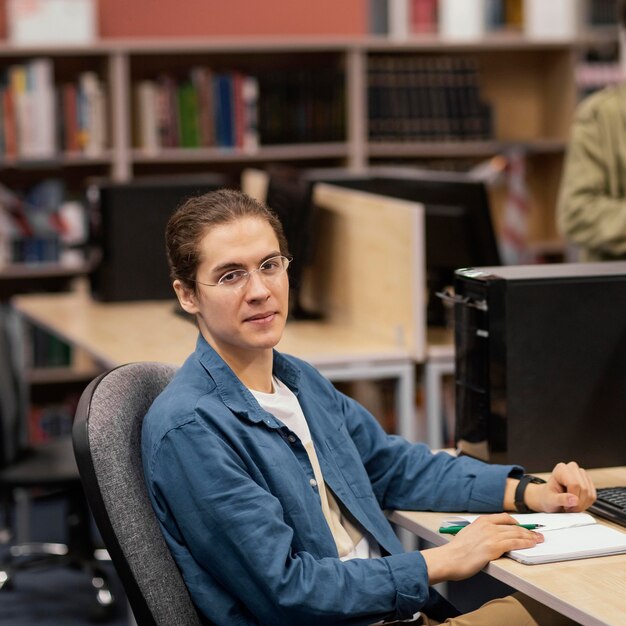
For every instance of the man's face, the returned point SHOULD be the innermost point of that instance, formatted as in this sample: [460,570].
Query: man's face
[239,322]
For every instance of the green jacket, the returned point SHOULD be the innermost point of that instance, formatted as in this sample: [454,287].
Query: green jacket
[592,200]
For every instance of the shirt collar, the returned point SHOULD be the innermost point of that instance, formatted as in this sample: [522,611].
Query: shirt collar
[233,392]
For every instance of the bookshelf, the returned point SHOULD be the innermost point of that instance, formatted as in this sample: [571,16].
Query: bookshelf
[529,84]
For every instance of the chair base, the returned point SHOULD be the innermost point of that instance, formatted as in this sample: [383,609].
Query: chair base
[79,553]
[34,556]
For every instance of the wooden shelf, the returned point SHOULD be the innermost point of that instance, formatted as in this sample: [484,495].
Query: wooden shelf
[255,45]
[264,153]
[59,375]
[491,42]
[64,159]
[461,149]
[17,278]
[25,271]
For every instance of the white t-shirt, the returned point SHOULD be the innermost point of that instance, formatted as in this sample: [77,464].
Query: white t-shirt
[351,539]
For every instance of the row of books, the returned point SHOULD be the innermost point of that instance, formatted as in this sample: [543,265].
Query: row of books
[453,17]
[406,18]
[307,105]
[203,109]
[603,12]
[30,223]
[475,18]
[39,118]
[413,98]
[46,350]
[50,421]
[45,249]
[234,109]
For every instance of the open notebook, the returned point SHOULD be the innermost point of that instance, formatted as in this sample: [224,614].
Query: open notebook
[567,536]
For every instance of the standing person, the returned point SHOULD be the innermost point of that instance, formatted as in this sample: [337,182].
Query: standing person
[591,209]
[270,485]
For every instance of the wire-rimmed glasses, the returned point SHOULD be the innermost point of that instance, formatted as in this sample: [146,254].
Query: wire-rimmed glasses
[236,279]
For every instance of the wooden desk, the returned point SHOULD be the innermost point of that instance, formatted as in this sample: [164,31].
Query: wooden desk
[115,333]
[589,591]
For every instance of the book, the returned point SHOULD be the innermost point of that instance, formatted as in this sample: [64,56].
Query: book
[148,137]
[398,18]
[568,536]
[51,22]
[167,111]
[188,115]
[494,15]
[41,107]
[69,99]
[9,123]
[91,114]
[513,14]
[424,16]
[462,19]
[224,110]
[250,100]
[202,79]
[557,19]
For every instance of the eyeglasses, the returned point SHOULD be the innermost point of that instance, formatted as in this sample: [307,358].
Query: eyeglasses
[236,279]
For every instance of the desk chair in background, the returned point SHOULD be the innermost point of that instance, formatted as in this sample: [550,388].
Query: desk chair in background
[107,444]
[46,471]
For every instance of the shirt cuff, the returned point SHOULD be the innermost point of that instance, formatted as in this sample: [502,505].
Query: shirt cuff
[410,576]
[488,490]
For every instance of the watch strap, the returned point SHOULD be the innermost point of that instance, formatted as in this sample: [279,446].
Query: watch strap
[525,480]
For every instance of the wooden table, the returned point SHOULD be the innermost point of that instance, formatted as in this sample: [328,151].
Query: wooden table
[589,591]
[115,333]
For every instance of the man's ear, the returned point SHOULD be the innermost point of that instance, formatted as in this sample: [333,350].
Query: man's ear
[187,297]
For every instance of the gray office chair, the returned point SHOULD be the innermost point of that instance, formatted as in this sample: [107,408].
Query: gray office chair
[107,438]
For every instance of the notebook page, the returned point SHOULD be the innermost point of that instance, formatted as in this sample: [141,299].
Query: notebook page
[576,542]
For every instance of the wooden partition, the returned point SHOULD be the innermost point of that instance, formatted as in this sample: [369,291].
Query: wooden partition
[368,271]
[369,265]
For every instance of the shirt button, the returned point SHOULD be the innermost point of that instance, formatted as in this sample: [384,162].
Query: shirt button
[313,482]
[292,439]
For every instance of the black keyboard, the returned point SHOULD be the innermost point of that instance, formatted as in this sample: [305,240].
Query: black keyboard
[611,504]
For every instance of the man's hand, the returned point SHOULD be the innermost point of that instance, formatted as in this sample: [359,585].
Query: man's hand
[485,539]
[569,489]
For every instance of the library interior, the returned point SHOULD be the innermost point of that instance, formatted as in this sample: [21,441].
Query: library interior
[450,178]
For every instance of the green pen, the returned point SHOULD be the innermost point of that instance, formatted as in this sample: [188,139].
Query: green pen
[453,530]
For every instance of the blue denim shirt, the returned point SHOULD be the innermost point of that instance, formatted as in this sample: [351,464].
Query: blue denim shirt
[234,493]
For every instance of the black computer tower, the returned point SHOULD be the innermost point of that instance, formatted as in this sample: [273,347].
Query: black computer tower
[128,230]
[541,364]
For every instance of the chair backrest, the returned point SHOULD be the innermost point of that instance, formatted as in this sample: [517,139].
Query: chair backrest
[12,388]
[107,444]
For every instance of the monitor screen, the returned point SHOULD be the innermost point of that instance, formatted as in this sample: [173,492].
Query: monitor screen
[458,226]
[289,196]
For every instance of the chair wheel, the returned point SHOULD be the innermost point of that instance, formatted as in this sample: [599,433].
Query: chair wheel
[102,613]
[6,583]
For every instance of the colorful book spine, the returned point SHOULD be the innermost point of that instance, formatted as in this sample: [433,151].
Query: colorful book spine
[188,110]
[424,17]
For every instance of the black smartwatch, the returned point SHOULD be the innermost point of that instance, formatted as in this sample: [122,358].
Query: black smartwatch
[520,505]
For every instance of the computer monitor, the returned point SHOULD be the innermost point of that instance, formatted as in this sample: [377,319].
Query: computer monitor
[128,229]
[289,195]
[458,226]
